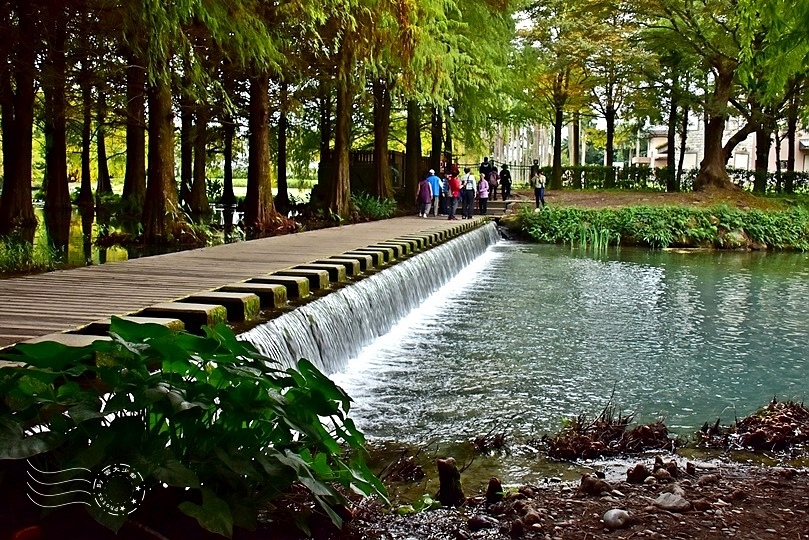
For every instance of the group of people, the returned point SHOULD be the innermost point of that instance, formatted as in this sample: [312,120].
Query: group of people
[442,195]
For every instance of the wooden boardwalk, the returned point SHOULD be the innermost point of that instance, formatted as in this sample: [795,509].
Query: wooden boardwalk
[33,306]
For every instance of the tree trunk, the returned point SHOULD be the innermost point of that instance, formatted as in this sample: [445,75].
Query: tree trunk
[792,129]
[609,117]
[576,139]
[712,169]
[186,150]
[17,105]
[259,210]
[683,147]
[104,185]
[412,172]
[448,143]
[57,191]
[282,198]
[326,158]
[228,197]
[198,200]
[86,192]
[764,132]
[435,139]
[135,176]
[161,217]
[338,196]
[558,121]
[671,135]
[382,186]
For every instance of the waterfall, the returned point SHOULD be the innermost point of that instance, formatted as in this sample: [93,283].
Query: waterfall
[333,329]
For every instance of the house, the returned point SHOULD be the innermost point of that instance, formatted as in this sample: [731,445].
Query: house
[743,155]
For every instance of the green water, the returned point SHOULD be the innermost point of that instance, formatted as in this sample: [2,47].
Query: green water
[531,334]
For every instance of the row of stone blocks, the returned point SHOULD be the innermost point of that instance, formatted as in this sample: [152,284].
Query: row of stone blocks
[242,301]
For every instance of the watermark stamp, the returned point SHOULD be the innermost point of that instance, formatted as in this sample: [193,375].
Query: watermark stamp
[116,489]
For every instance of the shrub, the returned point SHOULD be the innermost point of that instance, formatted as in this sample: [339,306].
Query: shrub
[370,207]
[207,414]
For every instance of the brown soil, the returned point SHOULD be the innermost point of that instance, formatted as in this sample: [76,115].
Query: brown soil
[725,502]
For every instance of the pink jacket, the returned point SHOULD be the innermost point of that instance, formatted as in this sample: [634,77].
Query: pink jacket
[483,189]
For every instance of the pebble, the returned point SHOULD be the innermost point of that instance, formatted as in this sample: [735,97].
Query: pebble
[672,502]
[616,518]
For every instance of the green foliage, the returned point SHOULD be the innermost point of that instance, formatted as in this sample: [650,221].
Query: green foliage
[20,257]
[207,414]
[370,207]
[213,188]
[668,226]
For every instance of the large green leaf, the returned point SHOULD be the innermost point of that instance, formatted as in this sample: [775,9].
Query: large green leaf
[15,445]
[214,514]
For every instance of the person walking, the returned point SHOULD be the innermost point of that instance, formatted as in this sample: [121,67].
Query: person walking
[493,180]
[467,193]
[453,192]
[537,182]
[424,198]
[485,167]
[505,182]
[435,186]
[483,196]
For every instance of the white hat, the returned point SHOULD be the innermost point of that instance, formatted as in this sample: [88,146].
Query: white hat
[432,171]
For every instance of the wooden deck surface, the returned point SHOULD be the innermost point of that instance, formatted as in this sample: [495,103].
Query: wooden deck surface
[33,306]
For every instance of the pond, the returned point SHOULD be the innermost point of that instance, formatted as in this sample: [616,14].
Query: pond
[81,252]
[528,335]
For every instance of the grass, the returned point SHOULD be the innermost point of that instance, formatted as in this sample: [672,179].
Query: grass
[17,257]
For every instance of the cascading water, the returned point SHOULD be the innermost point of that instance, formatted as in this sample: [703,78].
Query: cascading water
[335,328]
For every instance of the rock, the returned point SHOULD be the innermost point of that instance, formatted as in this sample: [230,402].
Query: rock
[637,474]
[690,469]
[478,522]
[517,528]
[650,481]
[738,495]
[615,518]
[672,502]
[674,488]
[494,492]
[673,469]
[532,517]
[708,479]
[702,505]
[590,485]
[662,475]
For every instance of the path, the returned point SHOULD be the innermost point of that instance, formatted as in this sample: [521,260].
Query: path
[33,306]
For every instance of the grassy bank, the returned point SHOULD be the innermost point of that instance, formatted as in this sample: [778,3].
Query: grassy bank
[721,227]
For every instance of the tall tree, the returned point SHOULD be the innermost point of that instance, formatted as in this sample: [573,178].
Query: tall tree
[17,68]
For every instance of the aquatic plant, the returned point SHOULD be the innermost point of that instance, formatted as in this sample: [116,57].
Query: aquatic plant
[20,257]
[667,226]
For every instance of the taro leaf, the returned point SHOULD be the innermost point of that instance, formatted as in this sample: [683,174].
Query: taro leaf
[110,521]
[236,463]
[214,514]
[323,384]
[138,332]
[15,445]
[85,411]
[51,355]
[176,474]
[300,466]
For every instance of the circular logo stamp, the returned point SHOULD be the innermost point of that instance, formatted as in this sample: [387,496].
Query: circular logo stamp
[118,489]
